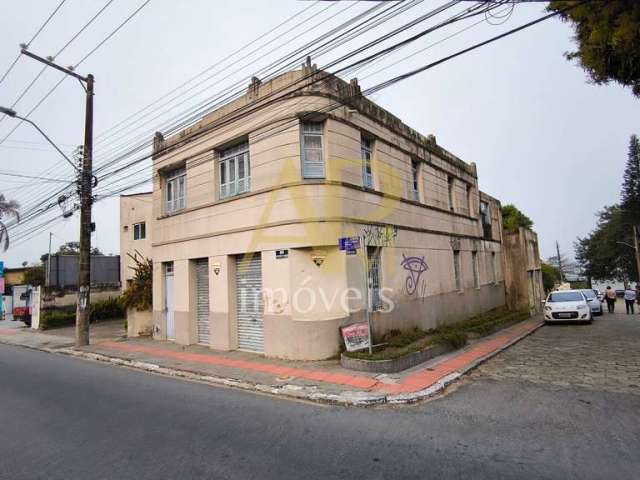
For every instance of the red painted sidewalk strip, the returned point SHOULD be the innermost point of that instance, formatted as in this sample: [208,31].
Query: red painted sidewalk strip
[412,383]
[10,331]
[426,378]
[213,359]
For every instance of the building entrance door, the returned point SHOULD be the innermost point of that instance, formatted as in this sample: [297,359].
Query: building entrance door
[169,299]
[249,302]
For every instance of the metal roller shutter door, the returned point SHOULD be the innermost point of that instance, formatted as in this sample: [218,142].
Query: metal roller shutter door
[249,302]
[202,303]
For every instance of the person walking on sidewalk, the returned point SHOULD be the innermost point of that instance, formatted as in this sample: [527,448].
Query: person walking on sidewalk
[610,297]
[629,299]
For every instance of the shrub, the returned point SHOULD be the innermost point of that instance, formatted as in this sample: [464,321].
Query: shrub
[455,339]
[397,343]
[104,309]
[139,293]
[396,338]
[57,318]
[65,316]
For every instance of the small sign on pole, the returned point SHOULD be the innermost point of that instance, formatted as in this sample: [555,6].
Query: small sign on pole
[356,336]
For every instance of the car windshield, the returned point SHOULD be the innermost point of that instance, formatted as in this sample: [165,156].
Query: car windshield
[565,297]
[589,294]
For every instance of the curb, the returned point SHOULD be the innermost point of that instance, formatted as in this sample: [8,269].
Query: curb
[347,398]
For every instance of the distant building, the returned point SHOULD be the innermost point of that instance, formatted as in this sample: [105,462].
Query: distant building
[136,215]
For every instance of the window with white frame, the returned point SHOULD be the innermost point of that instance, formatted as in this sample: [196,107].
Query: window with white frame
[415,181]
[176,190]
[139,231]
[312,150]
[366,150]
[234,175]
[474,266]
[456,269]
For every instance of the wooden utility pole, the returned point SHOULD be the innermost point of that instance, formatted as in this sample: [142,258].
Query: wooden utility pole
[636,245]
[86,201]
[559,262]
[85,187]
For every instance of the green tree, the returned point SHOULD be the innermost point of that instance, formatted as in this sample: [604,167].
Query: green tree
[70,248]
[34,275]
[630,197]
[605,254]
[550,276]
[607,34]
[513,218]
[8,208]
[139,293]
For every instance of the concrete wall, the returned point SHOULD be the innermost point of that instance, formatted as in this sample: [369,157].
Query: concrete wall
[523,275]
[71,298]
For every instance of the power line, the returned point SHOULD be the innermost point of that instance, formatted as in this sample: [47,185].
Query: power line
[20,175]
[266,100]
[146,180]
[35,35]
[91,52]
[285,62]
[209,68]
[146,135]
[40,211]
[407,75]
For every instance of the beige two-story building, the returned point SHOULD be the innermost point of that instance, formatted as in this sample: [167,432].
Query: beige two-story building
[250,205]
[136,218]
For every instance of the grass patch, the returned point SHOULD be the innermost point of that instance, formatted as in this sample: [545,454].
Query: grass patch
[397,343]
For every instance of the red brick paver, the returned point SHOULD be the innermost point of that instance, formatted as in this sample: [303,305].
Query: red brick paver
[427,377]
[214,359]
[412,382]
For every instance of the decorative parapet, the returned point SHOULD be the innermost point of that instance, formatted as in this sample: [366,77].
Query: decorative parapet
[307,81]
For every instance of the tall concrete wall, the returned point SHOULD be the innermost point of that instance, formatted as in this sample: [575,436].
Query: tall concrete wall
[523,275]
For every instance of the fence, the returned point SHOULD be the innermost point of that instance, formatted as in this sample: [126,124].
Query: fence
[105,270]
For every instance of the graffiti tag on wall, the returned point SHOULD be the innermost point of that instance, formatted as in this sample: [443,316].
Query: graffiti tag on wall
[415,267]
[380,236]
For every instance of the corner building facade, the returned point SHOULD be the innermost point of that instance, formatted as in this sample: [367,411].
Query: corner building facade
[249,205]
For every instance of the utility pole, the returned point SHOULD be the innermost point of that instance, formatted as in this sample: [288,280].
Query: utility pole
[560,262]
[48,280]
[86,200]
[636,246]
[85,186]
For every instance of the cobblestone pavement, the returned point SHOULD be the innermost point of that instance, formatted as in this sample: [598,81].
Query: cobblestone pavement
[604,356]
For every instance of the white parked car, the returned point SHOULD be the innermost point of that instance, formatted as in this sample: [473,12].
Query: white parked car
[594,302]
[567,306]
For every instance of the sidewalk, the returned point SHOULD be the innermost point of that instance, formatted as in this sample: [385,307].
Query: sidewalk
[323,381]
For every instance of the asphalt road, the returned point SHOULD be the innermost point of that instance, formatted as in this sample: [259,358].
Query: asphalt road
[65,418]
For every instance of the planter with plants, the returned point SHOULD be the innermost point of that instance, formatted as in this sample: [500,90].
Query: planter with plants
[399,350]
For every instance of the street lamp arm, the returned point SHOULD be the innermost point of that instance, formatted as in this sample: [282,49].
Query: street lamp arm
[48,140]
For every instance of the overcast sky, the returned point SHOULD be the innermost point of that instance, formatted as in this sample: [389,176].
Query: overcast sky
[541,136]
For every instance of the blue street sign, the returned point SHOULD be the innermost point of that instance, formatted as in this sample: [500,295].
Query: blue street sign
[349,244]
